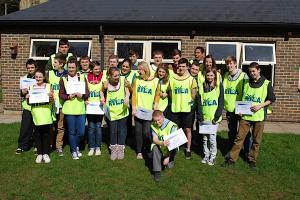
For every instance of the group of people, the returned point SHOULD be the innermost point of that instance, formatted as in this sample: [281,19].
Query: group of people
[151,101]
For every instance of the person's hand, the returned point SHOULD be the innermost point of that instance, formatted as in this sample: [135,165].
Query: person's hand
[166,143]
[102,100]
[255,108]
[105,85]
[214,122]
[24,91]
[133,112]
[127,84]
[163,95]
[78,95]
[166,160]
[126,101]
[71,96]
[86,102]
[27,96]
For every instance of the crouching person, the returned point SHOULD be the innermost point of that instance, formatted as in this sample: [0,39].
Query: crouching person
[160,127]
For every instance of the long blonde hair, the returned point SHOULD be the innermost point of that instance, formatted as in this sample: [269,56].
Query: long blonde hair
[145,66]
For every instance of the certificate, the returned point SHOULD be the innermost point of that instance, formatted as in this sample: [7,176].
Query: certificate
[25,83]
[106,112]
[75,86]
[176,139]
[243,107]
[144,114]
[94,108]
[56,106]
[208,128]
[38,95]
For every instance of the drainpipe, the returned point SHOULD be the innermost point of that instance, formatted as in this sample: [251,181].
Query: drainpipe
[101,40]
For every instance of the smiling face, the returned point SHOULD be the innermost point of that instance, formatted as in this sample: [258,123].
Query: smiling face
[85,64]
[208,63]
[96,70]
[176,58]
[113,62]
[158,120]
[198,54]
[125,68]
[39,77]
[194,70]
[231,67]
[31,69]
[254,73]
[72,69]
[133,58]
[158,59]
[141,71]
[161,73]
[210,77]
[115,77]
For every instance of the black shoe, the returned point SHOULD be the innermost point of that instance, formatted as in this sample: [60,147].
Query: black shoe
[157,176]
[252,165]
[227,163]
[188,155]
[19,151]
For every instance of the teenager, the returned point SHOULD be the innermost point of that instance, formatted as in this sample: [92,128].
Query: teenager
[113,61]
[199,54]
[74,107]
[210,107]
[158,57]
[183,89]
[85,65]
[145,98]
[117,103]
[259,91]
[133,56]
[129,74]
[26,130]
[162,73]
[176,56]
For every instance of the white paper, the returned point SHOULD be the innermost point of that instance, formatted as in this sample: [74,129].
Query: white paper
[56,106]
[208,128]
[94,108]
[75,86]
[176,139]
[38,95]
[106,112]
[25,83]
[144,114]
[243,107]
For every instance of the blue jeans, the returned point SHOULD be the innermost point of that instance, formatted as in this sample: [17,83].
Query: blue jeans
[76,128]
[118,131]
[94,130]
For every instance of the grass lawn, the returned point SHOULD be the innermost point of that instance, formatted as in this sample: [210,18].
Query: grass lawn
[277,175]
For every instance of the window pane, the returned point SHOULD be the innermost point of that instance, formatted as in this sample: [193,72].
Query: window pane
[221,51]
[79,48]
[259,53]
[41,64]
[123,49]
[166,48]
[43,48]
[266,71]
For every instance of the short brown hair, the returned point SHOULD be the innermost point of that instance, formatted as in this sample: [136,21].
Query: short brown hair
[113,57]
[229,59]
[157,113]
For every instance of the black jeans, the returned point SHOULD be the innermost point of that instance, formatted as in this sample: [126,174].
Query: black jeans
[42,139]
[26,131]
[142,135]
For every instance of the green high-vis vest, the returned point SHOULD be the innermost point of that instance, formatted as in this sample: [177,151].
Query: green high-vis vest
[54,81]
[145,93]
[163,103]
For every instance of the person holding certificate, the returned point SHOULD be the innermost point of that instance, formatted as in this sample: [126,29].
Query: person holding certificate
[93,103]
[161,127]
[54,77]
[26,130]
[259,92]
[117,103]
[210,106]
[233,84]
[42,115]
[74,91]
[145,97]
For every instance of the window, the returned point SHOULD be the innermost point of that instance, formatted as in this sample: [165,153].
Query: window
[145,48]
[42,49]
[220,50]
[263,54]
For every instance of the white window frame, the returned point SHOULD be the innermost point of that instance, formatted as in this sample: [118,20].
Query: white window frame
[57,44]
[272,63]
[141,58]
[41,40]
[147,54]
[238,51]
[259,62]
[149,59]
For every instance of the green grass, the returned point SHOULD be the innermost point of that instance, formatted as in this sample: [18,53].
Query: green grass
[277,176]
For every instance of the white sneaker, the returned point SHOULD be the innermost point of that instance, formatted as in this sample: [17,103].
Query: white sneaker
[211,162]
[75,156]
[91,152]
[46,158]
[139,156]
[79,154]
[39,159]
[98,152]
[204,160]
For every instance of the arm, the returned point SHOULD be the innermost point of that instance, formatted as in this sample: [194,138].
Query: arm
[157,97]
[102,96]
[194,89]
[269,100]
[62,91]
[199,108]
[127,95]
[219,110]
[160,143]
[133,99]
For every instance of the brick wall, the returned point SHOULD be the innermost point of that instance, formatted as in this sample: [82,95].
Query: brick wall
[286,108]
